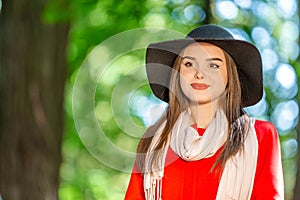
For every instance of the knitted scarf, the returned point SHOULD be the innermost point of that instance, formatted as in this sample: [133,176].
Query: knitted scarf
[238,174]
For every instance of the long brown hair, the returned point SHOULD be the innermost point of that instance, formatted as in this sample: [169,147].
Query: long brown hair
[177,103]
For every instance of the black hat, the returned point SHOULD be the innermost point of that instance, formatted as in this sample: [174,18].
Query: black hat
[246,56]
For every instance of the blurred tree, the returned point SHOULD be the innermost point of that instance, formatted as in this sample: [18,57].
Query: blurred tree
[296,195]
[207,10]
[92,22]
[33,72]
[297,185]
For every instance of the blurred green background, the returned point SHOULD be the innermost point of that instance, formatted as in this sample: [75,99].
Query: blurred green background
[106,90]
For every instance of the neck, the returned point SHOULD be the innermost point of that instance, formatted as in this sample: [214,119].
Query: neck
[202,114]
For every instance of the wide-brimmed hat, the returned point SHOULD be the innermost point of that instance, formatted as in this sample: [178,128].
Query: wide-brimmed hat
[160,58]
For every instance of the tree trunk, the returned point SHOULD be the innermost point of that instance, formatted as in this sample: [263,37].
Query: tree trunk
[207,9]
[32,78]
[297,186]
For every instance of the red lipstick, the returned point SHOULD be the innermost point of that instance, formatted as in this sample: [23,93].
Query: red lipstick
[199,86]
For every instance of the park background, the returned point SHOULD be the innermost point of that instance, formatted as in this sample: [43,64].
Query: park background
[67,68]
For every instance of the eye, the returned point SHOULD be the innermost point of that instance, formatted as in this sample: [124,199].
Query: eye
[214,66]
[188,64]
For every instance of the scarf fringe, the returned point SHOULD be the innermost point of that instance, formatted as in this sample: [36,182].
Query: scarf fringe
[154,192]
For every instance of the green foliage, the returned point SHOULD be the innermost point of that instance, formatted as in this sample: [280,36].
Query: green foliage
[56,11]
[82,175]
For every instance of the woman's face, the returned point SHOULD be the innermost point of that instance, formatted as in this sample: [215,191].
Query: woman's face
[203,71]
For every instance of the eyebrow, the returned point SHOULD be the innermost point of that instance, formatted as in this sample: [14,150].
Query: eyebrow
[189,57]
[214,59]
[208,59]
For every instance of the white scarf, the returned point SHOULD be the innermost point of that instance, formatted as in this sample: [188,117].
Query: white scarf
[239,171]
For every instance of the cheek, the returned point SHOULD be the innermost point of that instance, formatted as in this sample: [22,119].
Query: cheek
[221,78]
[224,78]
[183,82]
[183,72]
[184,77]
[185,86]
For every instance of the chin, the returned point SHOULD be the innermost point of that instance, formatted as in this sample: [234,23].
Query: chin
[200,101]
[204,101]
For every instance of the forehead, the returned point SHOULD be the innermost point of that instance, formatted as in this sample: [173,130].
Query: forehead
[203,49]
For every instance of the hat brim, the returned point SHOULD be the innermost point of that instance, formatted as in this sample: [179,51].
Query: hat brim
[245,55]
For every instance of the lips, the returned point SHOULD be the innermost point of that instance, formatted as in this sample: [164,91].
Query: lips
[199,86]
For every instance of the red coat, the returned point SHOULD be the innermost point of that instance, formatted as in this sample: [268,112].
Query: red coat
[185,180]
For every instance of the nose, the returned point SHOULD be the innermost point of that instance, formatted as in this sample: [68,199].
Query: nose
[198,74]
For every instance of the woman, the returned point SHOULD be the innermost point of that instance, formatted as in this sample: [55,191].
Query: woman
[205,146]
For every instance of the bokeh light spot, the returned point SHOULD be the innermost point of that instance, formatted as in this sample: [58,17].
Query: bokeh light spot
[289,31]
[194,14]
[103,111]
[290,148]
[150,109]
[191,14]
[259,109]
[285,115]
[286,76]
[175,1]
[260,36]
[239,34]
[289,49]
[155,20]
[291,110]
[98,17]
[243,3]
[270,59]
[287,8]
[227,9]
[266,12]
